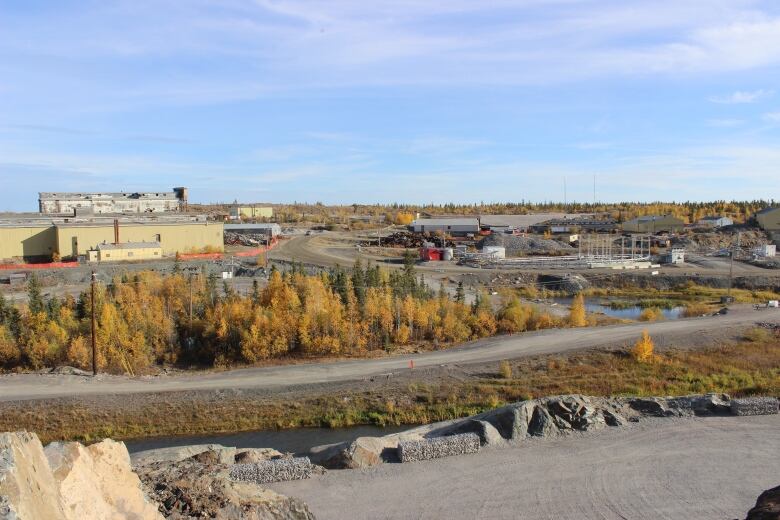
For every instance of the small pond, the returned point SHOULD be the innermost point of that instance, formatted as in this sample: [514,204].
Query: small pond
[626,310]
[297,440]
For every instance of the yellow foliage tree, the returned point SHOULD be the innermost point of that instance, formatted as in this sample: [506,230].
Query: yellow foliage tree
[577,314]
[643,348]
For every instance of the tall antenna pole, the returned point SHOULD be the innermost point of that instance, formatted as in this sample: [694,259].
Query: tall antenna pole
[594,189]
[565,200]
[94,327]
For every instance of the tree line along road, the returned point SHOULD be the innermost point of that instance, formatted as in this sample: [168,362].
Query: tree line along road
[551,341]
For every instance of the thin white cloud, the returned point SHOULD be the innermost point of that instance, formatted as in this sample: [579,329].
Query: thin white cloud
[725,123]
[740,97]
[772,117]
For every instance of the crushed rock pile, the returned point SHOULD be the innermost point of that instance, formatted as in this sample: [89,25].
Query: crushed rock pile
[245,239]
[196,482]
[545,417]
[527,246]
[718,240]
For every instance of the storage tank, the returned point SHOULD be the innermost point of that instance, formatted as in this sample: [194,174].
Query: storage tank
[495,251]
[448,254]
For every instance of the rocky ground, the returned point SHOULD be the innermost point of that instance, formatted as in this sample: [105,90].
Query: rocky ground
[68,481]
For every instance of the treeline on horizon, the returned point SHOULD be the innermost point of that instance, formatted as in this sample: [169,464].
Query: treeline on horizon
[689,211]
[145,319]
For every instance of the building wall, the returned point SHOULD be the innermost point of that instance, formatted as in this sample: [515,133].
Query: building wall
[129,253]
[252,212]
[110,203]
[770,220]
[33,242]
[660,224]
[173,238]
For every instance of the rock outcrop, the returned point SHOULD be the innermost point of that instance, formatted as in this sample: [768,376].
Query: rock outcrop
[69,481]
[767,506]
[200,486]
[545,417]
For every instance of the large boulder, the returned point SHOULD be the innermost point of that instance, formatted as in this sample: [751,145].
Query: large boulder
[650,406]
[511,421]
[27,485]
[488,434]
[97,481]
[767,506]
[363,452]
[226,455]
[69,481]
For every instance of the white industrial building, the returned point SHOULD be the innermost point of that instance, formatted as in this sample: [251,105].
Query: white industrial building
[460,226]
[715,222]
[51,203]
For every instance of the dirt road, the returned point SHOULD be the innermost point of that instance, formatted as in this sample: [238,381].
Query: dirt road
[34,386]
[663,469]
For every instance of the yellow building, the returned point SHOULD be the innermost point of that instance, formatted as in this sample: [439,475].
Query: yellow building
[30,240]
[126,251]
[238,212]
[74,239]
[37,238]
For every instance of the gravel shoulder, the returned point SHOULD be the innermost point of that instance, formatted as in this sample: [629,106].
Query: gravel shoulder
[689,468]
[551,341]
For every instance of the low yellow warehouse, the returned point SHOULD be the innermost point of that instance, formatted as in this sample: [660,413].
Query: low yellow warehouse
[40,238]
[125,252]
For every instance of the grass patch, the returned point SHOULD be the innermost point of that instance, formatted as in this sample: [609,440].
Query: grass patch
[748,367]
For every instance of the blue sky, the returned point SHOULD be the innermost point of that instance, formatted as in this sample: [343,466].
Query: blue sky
[346,101]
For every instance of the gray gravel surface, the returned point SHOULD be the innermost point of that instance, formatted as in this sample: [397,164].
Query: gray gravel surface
[665,468]
[551,341]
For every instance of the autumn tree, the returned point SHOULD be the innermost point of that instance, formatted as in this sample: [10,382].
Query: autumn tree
[577,316]
[643,348]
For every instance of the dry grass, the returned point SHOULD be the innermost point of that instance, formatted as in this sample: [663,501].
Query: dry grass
[749,367]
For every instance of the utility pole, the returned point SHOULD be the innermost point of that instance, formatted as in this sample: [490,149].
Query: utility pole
[94,328]
[731,266]
[190,304]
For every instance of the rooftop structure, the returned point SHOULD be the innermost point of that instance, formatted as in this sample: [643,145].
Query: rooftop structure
[56,203]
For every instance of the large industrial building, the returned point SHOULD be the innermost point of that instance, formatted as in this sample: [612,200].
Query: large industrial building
[35,237]
[654,224]
[769,219]
[450,226]
[121,202]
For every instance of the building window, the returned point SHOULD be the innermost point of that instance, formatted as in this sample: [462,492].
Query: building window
[157,237]
[129,253]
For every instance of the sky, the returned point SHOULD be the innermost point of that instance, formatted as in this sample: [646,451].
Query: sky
[342,101]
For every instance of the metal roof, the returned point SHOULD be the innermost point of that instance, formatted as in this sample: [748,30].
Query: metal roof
[153,195]
[270,225]
[130,245]
[446,222]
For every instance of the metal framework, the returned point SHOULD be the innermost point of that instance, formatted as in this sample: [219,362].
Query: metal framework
[593,251]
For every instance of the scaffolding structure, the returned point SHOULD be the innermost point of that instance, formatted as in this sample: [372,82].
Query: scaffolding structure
[593,251]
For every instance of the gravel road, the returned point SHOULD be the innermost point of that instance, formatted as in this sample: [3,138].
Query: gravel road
[551,341]
[704,468]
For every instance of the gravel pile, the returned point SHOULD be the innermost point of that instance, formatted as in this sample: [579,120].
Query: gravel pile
[520,246]
[754,406]
[277,470]
[411,451]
